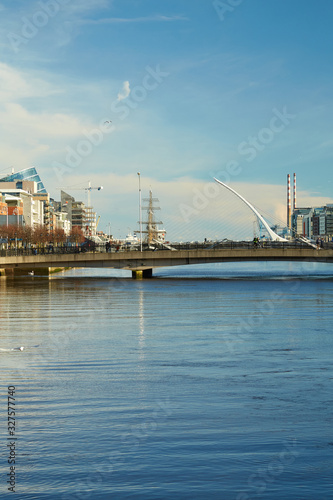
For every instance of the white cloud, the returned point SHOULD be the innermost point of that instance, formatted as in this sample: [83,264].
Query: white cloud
[77,6]
[16,85]
[125,92]
[30,121]
[19,120]
[189,209]
[126,20]
[35,27]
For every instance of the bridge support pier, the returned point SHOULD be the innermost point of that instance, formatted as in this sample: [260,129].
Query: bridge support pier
[142,274]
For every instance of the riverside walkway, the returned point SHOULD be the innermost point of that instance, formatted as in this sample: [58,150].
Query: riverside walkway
[142,263]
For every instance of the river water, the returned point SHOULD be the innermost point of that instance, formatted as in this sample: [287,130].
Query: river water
[207,382]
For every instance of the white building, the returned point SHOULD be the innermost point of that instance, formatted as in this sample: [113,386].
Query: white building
[62,222]
[33,208]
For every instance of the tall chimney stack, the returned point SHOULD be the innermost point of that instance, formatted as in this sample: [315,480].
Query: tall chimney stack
[288,203]
[294,198]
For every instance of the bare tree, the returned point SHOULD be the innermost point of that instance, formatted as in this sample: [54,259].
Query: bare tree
[76,235]
[27,235]
[59,236]
[40,236]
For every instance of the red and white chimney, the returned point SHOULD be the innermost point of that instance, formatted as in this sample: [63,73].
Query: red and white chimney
[288,202]
[294,197]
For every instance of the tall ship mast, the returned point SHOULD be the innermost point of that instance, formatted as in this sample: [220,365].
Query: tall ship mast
[152,233]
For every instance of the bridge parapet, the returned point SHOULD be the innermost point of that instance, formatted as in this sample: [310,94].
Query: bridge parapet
[149,259]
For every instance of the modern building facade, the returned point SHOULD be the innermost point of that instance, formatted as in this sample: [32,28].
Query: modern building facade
[25,201]
[23,207]
[313,222]
[27,174]
[35,203]
[75,210]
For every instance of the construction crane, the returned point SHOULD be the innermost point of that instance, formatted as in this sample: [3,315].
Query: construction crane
[88,189]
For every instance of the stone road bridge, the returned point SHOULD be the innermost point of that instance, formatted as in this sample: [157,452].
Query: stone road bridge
[142,263]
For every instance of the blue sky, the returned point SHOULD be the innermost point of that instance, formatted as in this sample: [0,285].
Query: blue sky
[237,89]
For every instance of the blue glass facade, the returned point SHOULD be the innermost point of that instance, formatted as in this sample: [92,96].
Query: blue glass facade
[28,174]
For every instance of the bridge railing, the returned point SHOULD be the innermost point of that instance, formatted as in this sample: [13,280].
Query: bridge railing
[211,246]
[233,245]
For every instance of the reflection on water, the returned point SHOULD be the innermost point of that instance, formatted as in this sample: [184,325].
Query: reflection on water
[141,322]
[176,387]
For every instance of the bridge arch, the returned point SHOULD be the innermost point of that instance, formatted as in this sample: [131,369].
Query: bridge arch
[272,234]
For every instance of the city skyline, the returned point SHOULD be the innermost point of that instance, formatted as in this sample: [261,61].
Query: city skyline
[182,92]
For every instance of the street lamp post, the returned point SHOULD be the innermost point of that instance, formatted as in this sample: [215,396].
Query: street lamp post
[140,212]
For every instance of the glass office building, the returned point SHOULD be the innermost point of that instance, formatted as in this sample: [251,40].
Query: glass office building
[28,174]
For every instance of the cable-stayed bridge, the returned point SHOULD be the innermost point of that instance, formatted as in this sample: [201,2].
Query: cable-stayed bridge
[142,263]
